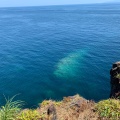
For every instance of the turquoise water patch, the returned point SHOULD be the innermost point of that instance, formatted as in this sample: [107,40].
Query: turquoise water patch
[69,66]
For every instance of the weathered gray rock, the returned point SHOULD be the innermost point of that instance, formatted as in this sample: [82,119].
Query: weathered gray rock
[115,80]
[51,112]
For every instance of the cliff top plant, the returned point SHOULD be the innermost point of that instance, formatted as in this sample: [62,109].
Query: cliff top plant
[29,114]
[11,109]
[109,109]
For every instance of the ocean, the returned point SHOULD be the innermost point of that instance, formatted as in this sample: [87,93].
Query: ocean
[49,52]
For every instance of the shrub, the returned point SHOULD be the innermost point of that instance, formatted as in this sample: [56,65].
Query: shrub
[109,109]
[29,115]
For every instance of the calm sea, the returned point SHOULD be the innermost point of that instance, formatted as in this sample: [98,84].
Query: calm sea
[55,51]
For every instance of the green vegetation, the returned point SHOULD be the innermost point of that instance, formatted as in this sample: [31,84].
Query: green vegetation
[11,109]
[29,115]
[106,109]
[118,76]
[45,102]
[58,103]
[109,109]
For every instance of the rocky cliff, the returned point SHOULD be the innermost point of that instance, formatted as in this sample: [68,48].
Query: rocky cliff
[115,80]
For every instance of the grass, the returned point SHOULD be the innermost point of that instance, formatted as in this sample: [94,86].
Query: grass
[29,115]
[109,109]
[45,102]
[11,109]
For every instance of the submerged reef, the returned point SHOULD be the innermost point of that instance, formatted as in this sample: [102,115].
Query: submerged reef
[69,66]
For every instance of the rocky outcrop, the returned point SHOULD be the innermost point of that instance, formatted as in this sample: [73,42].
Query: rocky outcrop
[115,80]
[70,108]
[51,112]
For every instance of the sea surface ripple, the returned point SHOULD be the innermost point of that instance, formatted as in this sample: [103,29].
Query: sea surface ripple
[55,51]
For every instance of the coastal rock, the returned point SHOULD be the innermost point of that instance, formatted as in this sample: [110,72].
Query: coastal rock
[115,80]
[51,112]
[70,108]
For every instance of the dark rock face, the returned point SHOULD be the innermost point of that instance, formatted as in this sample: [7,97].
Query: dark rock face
[115,80]
[51,112]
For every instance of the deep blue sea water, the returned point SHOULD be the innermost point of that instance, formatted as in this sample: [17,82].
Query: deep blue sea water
[55,51]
